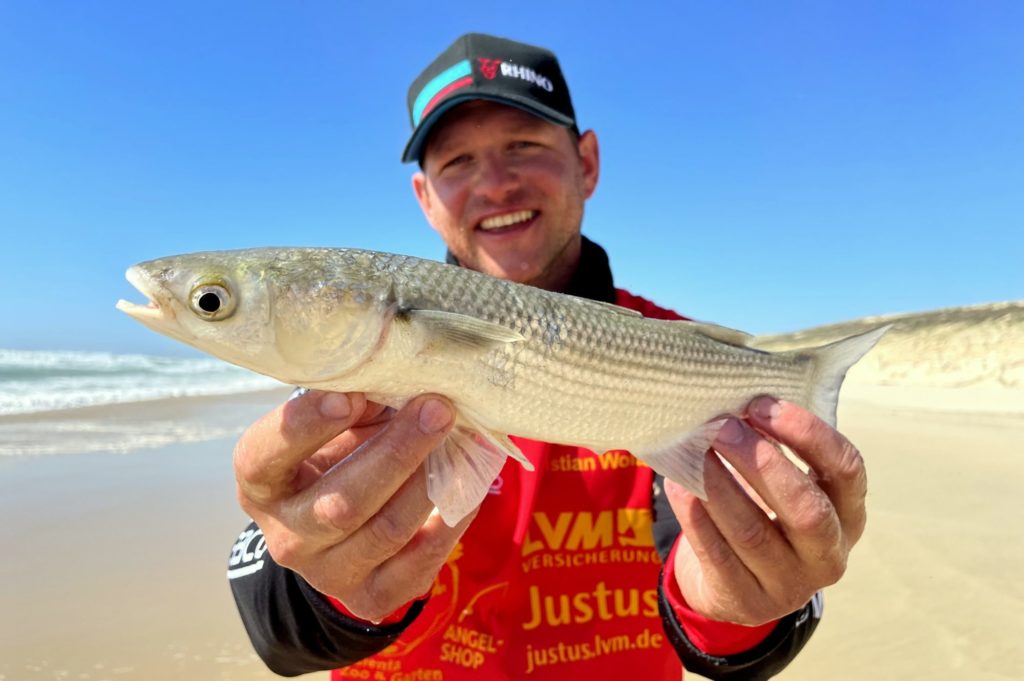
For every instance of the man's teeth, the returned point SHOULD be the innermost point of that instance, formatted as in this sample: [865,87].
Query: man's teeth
[507,219]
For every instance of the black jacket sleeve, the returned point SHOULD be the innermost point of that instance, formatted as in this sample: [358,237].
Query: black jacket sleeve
[294,628]
[764,660]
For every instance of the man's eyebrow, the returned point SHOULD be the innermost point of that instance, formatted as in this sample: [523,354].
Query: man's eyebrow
[440,143]
[444,140]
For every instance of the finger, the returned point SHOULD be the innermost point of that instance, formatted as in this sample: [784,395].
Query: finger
[412,571]
[837,464]
[268,455]
[785,490]
[356,489]
[751,534]
[387,532]
[717,560]
[748,489]
[373,419]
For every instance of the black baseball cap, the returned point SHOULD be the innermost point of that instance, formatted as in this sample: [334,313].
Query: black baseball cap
[480,66]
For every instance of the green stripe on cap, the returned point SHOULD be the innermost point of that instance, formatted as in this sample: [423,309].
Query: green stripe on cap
[436,84]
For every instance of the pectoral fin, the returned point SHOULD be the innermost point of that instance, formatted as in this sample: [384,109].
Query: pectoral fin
[463,329]
[683,460]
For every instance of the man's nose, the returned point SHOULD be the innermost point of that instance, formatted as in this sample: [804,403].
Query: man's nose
[495,179]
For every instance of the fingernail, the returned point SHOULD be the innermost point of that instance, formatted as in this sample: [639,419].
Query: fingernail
[731,433]
[434,416]
[767,408]
[335,405]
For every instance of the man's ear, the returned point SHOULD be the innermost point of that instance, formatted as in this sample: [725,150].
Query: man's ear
[590,159]
[422,192]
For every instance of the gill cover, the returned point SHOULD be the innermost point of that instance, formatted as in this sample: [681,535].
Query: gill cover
[330,329]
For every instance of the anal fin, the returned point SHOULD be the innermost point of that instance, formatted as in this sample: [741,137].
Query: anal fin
[683,460]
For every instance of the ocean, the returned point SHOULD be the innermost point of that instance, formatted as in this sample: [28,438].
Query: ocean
[62,402]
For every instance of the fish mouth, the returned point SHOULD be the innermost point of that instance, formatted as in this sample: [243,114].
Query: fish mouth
[150,314]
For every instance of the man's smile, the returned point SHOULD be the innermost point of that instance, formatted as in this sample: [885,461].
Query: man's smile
[506,222]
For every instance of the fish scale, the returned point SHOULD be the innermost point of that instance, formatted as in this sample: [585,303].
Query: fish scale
[508,356]
[638,357]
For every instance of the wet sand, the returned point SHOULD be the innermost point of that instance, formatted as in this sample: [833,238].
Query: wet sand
[114,564]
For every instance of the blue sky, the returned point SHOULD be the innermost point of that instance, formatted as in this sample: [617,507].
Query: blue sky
[768,166]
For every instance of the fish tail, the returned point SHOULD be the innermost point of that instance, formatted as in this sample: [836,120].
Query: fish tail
[830,364]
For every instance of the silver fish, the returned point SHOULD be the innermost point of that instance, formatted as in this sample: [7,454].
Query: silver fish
[513,359]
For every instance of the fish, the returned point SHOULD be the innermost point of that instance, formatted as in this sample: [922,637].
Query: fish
[512,359]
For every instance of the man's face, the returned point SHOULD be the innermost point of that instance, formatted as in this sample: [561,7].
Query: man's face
[505,190]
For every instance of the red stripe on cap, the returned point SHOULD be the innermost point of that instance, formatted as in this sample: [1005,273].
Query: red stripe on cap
[455,85]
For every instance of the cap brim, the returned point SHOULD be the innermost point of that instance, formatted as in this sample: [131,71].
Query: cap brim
[414,148]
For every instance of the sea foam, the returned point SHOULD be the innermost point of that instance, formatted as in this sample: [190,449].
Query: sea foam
[35,381]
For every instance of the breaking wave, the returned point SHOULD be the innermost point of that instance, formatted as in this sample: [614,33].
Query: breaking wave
[34,381]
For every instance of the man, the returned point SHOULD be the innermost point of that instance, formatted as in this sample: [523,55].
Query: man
[578,569]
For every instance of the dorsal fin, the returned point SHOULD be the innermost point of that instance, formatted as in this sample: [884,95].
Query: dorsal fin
[612,307]
[722,333]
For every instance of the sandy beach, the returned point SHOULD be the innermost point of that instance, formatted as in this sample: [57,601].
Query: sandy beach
[114,564]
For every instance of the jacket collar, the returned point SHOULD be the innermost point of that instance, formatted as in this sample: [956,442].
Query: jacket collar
[592,278]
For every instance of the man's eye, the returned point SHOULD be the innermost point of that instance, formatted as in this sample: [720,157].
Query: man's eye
[457,161]
[522,144]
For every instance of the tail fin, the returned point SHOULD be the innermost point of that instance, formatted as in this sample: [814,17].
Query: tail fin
[831,362]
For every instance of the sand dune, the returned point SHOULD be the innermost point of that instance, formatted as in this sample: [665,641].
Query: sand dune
[955,359]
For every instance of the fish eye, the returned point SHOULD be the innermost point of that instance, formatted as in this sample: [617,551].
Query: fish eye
[212,302]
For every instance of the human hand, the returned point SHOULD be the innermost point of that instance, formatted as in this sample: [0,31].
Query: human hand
[336,484]
[751,560]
